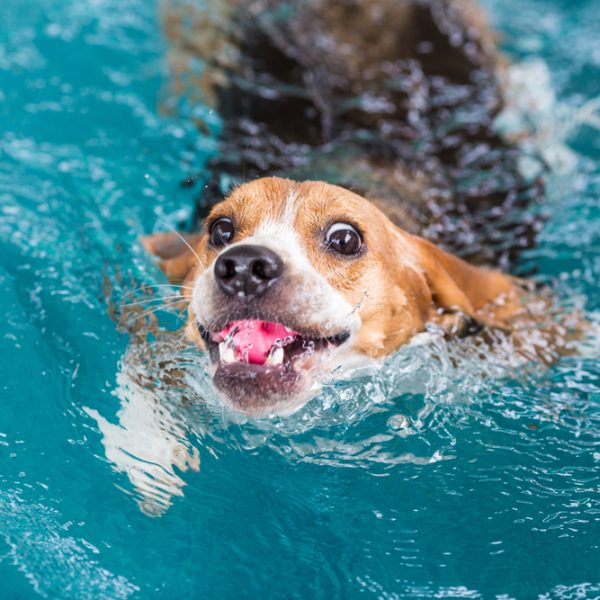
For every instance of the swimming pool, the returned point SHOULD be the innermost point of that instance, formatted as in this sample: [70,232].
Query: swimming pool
[402,485]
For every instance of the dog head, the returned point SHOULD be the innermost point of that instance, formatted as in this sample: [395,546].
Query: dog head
[292,281]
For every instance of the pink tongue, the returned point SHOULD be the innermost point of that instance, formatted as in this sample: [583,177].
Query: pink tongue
[253,340]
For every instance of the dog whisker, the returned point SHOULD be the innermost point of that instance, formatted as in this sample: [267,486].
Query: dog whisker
[154,310]
[155,299]
[149,287]
[173,230]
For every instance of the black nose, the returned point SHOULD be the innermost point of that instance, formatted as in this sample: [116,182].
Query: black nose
[247,270]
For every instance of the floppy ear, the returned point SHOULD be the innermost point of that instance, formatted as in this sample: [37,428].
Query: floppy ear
[484,296]
[176,251]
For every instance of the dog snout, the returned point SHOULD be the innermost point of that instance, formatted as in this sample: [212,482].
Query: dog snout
[247,270]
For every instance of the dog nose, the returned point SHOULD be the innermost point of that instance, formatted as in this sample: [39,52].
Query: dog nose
[247,270]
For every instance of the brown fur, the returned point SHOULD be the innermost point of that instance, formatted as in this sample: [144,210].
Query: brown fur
[394,100]
[400,282]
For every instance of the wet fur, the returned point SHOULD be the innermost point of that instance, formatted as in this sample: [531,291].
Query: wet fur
[399,284]
[395,102]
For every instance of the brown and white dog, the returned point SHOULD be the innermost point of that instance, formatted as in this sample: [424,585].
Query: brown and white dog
[293,281]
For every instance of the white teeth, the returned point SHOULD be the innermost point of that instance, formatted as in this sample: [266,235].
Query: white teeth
[226,353]
[275,356]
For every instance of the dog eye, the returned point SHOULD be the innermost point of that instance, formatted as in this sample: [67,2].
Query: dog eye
[343,239]
[221,232]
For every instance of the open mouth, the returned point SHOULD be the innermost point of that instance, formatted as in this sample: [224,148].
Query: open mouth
[258,361]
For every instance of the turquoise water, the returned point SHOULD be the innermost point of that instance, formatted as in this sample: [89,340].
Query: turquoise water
[426,480]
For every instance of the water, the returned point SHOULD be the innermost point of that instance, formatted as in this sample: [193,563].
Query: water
[426,479]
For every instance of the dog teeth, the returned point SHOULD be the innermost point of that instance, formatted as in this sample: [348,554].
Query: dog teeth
[226,352]
[275,357]
[227,355]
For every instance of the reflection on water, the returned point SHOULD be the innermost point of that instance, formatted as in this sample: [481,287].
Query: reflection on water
[147,444]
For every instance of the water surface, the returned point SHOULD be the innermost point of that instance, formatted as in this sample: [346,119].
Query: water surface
[427,480]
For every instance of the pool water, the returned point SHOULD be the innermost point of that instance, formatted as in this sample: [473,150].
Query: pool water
[439,476]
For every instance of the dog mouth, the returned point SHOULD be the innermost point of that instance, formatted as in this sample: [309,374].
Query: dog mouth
[262,363]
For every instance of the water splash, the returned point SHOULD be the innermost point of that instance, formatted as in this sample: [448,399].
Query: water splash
[406,409]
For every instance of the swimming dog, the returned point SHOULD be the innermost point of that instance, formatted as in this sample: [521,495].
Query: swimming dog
[292,281]
[377,118]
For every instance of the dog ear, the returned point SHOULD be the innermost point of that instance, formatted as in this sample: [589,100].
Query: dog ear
[176,251]
[466,296]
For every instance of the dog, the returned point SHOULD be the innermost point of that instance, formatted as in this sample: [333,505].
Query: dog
[377,190]
[292,281]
